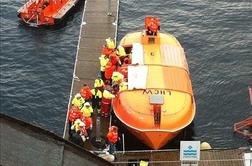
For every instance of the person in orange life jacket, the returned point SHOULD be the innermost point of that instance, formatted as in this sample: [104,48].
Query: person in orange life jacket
[74,113]
[96,100]
[86,93]
[107,96]
[113,138]
[110,68]
[109,47]
[99,83]
[153,26]
[88,125]
[114,59]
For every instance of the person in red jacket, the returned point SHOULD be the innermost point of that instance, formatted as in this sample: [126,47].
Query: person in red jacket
[74,113]
[88,125]
[110,68]
[107,96]
[114,59]
[113,138]
[86,93]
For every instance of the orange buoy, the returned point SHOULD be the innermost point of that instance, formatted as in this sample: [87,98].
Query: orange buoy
[44,12]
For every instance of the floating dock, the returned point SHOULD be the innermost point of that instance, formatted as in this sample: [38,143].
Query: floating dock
[100,21]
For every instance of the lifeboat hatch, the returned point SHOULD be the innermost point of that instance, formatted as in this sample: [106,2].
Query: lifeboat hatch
[156,101]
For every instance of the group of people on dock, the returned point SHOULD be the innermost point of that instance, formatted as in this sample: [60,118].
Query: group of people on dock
[111,80]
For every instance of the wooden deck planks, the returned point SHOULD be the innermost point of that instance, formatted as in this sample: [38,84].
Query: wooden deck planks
[222,157]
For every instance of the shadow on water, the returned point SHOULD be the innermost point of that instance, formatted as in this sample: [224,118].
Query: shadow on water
[61,23]
[133,143]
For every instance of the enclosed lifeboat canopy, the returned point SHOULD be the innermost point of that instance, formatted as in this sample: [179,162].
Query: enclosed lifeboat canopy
[45,12]
[159,100]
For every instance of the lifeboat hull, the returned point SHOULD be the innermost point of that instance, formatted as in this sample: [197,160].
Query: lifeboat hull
[154,139]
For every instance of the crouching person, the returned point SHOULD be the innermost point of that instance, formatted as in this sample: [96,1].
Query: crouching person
[113,138]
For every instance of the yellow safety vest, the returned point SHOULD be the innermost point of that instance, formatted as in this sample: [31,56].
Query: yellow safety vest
[78,102]
[98,83]
[108,95]
[123,86]
[103,62]
[110,43]
[77,125]
[116,77]
[97,94]
[87,111]
[143,163]
[120,51]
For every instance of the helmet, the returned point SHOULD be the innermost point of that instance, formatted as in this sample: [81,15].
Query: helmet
[110,43]
[120,51]
[78,95]
[87,104]
[113,128]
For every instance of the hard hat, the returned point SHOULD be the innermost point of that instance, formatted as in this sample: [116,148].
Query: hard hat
[86,104]
[78,95]
[108,39]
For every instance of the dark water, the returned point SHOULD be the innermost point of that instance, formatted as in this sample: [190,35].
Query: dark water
[37,64]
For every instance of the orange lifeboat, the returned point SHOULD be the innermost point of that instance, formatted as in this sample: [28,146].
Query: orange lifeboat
[159,101]
[45,12]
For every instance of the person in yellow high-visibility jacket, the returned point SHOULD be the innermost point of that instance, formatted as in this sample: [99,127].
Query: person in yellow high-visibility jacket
[123,86]
[78,101]
[96,100]
[87,110]
[77,125]
[110,43]
[103,62]
[99,83]
[117,77]
[120,51]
